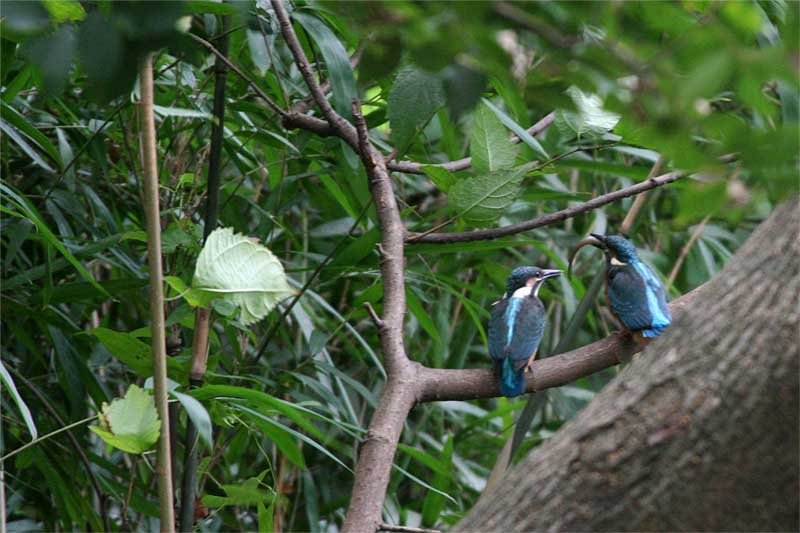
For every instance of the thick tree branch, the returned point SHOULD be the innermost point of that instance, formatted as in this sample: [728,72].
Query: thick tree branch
[472,384]
[512,229]
[374,467]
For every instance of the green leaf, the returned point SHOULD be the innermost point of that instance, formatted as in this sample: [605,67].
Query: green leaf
[489,145]
[247,494]
[130,423]
[24,146]
[18,121]
[197,414]
[482,199]
[194,297]
[258,51]
[590,120]
[283,440]
[30,212]
[180,112]
[210,6]
[340,72]
[134,353]
[126,348]
[242,272]
[434,502]
[413,100]
[424,319]
[8,383]
[521,132]
[52,54]
[65,10]
[443,178]
[265,517]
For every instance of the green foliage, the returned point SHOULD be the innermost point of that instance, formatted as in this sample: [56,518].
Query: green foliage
[481,200]
[413,100]
[692,81]
[130,423]
[243,273]
[489,146]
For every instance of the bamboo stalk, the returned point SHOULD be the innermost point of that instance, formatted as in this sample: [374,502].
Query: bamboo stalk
[202,322]
[152,213]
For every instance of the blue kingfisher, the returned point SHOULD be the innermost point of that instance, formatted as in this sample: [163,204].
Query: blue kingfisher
[517,326]
[634,292]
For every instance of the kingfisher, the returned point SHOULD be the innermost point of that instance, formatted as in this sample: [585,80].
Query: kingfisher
[516,327]
[633,290]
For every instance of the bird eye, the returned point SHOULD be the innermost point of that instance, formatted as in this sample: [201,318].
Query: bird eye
[538,273]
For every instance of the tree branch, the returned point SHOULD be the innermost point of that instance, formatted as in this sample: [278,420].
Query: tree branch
[473,384]
[374,467]
[239,72]
[512,229]
[339,124]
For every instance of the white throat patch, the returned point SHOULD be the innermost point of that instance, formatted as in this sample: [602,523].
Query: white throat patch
[523,292]
[617,262]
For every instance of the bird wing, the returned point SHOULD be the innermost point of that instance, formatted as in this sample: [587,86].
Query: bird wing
[627,294]
[529,325]
[498,330]
[656,297]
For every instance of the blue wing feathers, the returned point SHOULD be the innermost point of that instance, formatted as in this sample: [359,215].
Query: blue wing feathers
[637,298]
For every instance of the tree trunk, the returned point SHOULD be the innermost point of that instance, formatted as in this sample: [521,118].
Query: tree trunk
[699,432]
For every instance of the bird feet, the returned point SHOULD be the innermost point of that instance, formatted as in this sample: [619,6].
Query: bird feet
[529,364]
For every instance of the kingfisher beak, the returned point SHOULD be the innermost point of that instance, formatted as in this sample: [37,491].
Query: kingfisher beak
[595,240]
[551,273]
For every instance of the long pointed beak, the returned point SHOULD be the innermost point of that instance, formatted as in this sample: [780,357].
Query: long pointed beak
[551,273]
[594,240]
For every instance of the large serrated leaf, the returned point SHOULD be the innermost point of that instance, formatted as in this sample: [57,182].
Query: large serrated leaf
[589,121]
[242,272]
[481,200]
[414,99]
[130,423]
[489,146]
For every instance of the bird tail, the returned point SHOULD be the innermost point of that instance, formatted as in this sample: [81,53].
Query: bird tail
[512,381]
[653,332]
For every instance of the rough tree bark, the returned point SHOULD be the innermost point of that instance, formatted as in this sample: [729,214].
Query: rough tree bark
[699,433]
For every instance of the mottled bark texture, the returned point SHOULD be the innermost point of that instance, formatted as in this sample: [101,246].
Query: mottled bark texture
[698,433]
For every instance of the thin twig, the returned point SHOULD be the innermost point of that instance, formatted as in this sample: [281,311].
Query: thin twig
[685,251]
[338,123]
[268,336]
[231,65]
[152,213]
[513,229]
[638,202]
[373,315]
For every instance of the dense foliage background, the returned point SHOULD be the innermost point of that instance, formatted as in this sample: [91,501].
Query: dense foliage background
[290,399]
